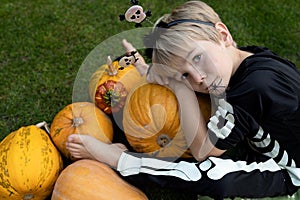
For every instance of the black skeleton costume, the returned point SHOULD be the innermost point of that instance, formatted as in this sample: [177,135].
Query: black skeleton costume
[261,114]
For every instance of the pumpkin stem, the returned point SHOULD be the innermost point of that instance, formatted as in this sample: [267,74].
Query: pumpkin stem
[43,125]
[77,121]
[112,98]
[112,70]
[28,196]
[163,140]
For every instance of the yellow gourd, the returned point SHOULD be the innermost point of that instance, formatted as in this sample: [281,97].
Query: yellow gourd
[29,164]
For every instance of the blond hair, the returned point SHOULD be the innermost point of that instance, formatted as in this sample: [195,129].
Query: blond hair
[173,42]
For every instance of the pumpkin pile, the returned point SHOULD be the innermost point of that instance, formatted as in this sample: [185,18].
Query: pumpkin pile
[35,163]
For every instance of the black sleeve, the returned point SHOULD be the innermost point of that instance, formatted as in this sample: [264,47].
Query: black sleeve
[264,93]
[264,99]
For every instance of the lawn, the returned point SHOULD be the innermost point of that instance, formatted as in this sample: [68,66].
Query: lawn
[43,46]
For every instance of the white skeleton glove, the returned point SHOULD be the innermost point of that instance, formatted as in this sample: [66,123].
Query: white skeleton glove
[222,122]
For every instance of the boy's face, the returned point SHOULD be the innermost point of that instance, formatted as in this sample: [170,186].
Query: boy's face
[207,68]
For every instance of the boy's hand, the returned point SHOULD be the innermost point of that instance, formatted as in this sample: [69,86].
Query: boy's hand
[153,75]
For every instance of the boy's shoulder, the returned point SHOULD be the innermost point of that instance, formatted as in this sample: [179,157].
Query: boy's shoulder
[264,58]
[263,68]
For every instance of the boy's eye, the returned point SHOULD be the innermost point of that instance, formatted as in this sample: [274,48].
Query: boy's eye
[197,58]
[185,75]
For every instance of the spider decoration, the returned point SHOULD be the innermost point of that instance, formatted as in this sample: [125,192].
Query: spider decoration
[127,59]
[216,88]
[135,14]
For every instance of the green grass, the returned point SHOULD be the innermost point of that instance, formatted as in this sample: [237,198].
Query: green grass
[44,43]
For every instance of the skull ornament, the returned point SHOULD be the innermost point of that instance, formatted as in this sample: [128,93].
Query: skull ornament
[135,14]
[126,60]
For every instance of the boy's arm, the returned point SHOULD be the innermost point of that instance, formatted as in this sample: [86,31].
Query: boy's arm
[193,123]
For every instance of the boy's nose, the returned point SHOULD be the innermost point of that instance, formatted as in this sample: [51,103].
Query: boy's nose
[199,77]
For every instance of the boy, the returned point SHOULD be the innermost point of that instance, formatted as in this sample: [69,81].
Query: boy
[256,96]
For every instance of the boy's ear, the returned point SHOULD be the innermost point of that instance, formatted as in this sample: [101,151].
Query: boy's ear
[225,34]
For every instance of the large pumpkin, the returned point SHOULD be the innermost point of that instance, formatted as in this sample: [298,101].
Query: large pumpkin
[110,84]
[29,164]
[80,118]
[151,121]
[89,179]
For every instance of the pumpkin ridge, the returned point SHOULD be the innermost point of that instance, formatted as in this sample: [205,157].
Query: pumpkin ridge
[147,116]
[5,184]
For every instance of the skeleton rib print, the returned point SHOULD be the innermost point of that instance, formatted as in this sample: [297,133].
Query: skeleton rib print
[271,148]
[223,122]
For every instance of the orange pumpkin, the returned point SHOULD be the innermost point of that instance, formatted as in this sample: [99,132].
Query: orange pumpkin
[151,121]
[110,84]
[89,179]
[29,164]
[80,118]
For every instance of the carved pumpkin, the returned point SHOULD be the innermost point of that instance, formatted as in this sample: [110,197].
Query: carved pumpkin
[110,84]
[151,121]
[29,164]
[89,179]
[80,118]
